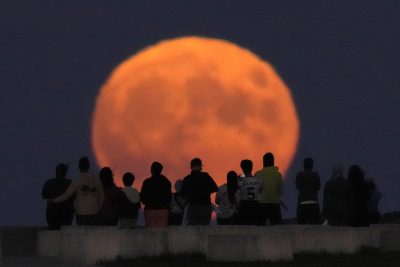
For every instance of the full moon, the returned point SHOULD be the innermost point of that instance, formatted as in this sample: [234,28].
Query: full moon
[193,97]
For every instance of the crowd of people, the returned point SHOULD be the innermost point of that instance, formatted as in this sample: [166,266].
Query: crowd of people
[244,199]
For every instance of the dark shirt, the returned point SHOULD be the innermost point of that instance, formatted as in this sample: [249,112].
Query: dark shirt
[108,213]
[338,206]
[56,187]
[197,188]
[308,184]
[127,209]
[156,192]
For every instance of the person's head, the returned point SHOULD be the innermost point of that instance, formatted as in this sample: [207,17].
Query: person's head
[61,170]
[337,171]
[196,164]
[247,166]
[178,185]
[128,179]
[232,185]
[156,168]
[268,159]
[106,177]
[355,174]
[308,164]
[84,164]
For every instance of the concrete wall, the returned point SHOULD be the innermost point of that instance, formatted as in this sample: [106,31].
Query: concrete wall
[48,243]
[390,241]
[19,241]
[90,245]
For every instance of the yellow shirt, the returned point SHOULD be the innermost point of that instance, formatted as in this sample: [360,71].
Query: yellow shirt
[271,185]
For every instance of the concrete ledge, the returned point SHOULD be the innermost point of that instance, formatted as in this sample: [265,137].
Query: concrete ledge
[390,241]
[144,243]
[318,238]
[72,246]
[269,246]
[48,243]
[375,232]
[19,241]
[234,248]
[186,240]
[89,245]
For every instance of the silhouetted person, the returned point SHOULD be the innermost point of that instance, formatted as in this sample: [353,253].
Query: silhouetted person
[338,204]
[308,184]
[197,188]
[58,214]
[356,178]
[108,213]
[89,195]
[156,196]
[228,199]
[271,191]
[178,204]
[249,208]
[375,196]
[128,203]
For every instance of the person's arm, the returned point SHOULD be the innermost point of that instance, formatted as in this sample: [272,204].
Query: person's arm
[45,191]
[169,197]
[70,191]
[298,181]
[218,198]
[143,193]
[213,185]
[318,182]
[100,196]
[280,188]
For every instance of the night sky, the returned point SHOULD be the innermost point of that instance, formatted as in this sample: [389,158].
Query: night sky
[341,60]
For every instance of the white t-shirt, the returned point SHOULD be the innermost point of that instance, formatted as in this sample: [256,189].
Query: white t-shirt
[225,208]
[249,187]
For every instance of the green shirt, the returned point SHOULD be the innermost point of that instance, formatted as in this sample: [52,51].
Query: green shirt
[271,185]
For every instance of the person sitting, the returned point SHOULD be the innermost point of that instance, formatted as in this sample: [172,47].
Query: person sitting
[128,203]
[227,199]
[89,195]
[58,214]
[308,184]
[108,213]
[156,196]
[178,204]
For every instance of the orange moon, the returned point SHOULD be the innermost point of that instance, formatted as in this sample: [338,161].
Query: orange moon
[193,97]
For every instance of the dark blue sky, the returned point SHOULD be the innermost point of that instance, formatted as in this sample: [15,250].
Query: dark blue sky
[341,60]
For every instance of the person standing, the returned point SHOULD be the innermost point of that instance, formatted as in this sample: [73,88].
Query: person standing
[228,199]
[374,215]
[356,177]
[58,214]
[338,203]
[128,203]
[108,213]
[271,191]
[89,195]
[156,196]
[249,188]
[197,188]
[178,203]
[308,183]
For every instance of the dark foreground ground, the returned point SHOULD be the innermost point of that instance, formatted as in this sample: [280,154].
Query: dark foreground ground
[365,258]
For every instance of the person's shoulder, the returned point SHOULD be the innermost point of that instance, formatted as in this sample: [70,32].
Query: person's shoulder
[49,181]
